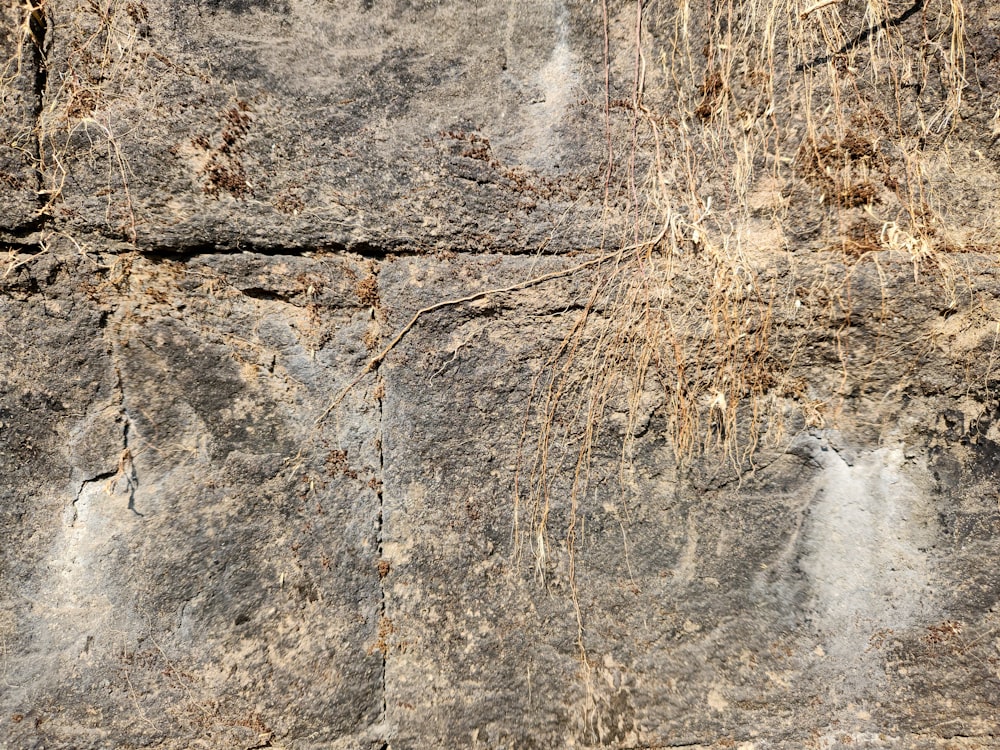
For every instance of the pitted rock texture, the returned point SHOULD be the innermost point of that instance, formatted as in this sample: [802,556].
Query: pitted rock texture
[317,422]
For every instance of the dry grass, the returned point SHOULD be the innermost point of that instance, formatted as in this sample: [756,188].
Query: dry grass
[755,131]
[80,121]
[767,150]
[80,88]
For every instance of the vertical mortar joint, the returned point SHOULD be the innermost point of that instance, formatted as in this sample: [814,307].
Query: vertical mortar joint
[380,524]
[383,565]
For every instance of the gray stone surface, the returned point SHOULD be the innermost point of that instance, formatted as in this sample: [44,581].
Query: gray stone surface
[292,123]
[322,426]
[204,558]
[194,560]
[798,607]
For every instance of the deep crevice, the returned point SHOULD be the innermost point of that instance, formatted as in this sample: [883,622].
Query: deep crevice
[38,27]
[379,526]
[365,250]
[390,250]
[268,295]
[196,250]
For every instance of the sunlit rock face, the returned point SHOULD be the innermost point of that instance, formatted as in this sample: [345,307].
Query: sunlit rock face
[334,415]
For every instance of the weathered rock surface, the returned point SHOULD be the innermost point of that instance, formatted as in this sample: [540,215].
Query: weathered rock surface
[808,604]
[172,506]
[325,424]
[287,124]
[21,82]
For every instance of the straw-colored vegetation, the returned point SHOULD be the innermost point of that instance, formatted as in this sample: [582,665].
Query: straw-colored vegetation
[756,136]
[78,92]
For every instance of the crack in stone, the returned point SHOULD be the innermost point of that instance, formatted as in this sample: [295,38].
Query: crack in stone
[362,249]
[38,27]
[103,476]
[269,295]
[126,466]
[386,249]
[380,525]
[383,565]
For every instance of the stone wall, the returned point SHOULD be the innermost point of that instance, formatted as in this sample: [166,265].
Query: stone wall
[333,415]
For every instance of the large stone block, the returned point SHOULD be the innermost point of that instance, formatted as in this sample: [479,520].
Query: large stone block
[397,125]
[191,560]
[806,603]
